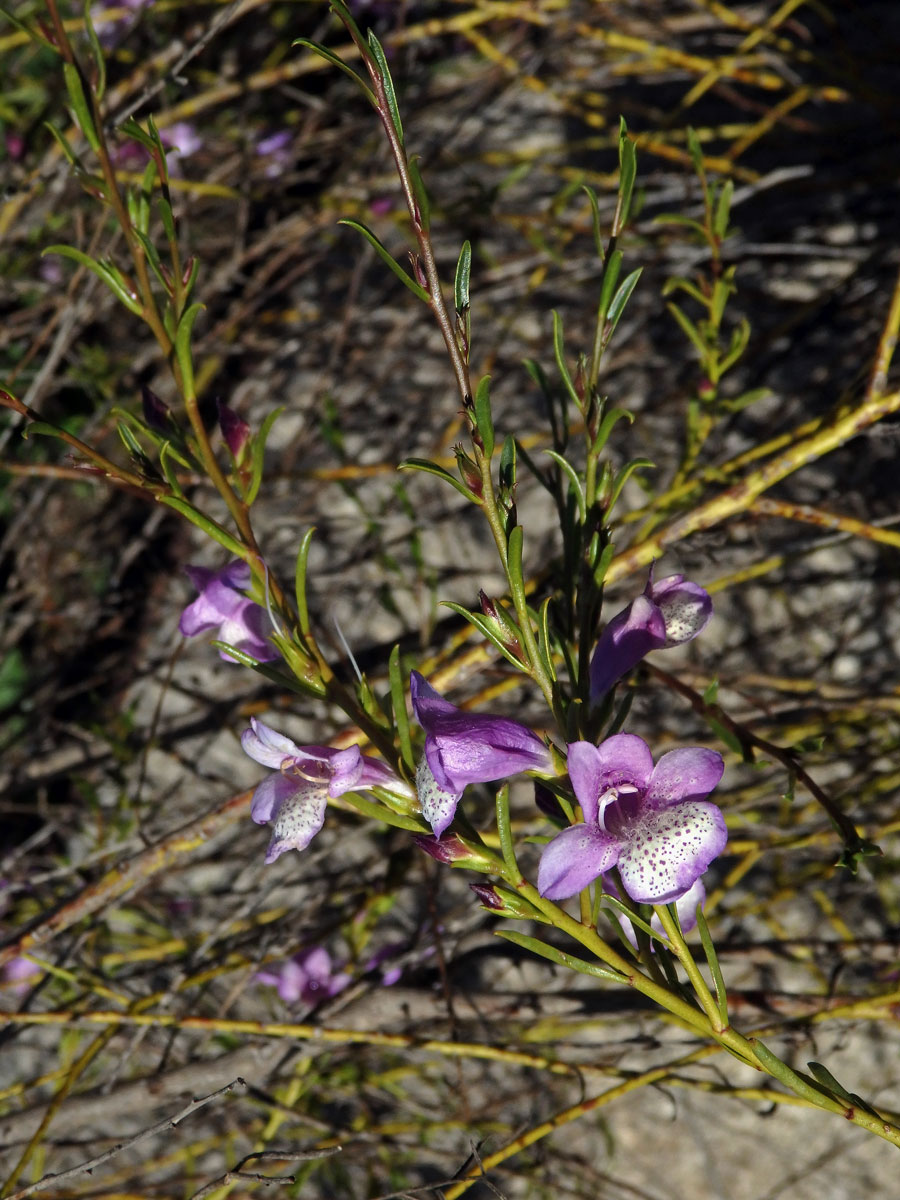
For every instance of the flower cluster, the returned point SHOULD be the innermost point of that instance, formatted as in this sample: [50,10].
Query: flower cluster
[647,828]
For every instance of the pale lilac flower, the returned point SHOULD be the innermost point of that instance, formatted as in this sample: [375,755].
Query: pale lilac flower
[653,822]
[21,974]
[222,605]
[296,795]
[277,150]
[666,614]
[463,748]
[308,977]
[181,139]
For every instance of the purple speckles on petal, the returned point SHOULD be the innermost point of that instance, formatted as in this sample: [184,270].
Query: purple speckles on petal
[438,805]
[653,821]
[299,819]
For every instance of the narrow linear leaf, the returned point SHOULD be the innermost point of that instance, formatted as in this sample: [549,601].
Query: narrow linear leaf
[484,422]
[398,708]
[558,956]
[64,145]
[715,970]
[386,257]
[508,465]
[595,220]
[572,475]
[300,580]
[622,476]
[608,284]
[690,331]
[484,627]
[385,72]
[215,531]
[324,52]
[430,468]
[183,346]
[257,453]
[621,299]
[723,209]
[606,427]
[167,466]
[80,109]
[461,282]
[379,812]
[559,351]
[110,275]
[627,174]
[96,50]
[421,195]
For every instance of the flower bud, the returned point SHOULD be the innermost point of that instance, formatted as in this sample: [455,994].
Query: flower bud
[504,900]
[453,851]
[235,431]
[502,625]
[469,472]
[156,412]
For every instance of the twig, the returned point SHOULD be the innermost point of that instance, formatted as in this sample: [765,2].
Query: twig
[166,1123]
[237,1173]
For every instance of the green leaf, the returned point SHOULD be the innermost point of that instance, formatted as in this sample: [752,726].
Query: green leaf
[80,108]
[385,73]
[183,346]
[676,282]
[257,454]
[678,219]
[608,283]
[691,332]
[166,454]
[64,145]
[558,956]
[508,466]
[627,174]
[398,708]
[430,468]
[606,427]
[96,50]
[621,299]
[300,580]
[152,257]
[595,220]
[484,422]
[559,351]
[461,282]
[621,476]
[380,812]
[324,52]
[714,969]
[386,257]
[723,209]
[209,527]
[574,482]
[105,271]
[603,563]
[695,149]
[485,628]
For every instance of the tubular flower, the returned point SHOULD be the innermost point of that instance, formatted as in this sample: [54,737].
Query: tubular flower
[653,822]
[295,796]
[307,977]
[222,605]
[463,748]
[666,614]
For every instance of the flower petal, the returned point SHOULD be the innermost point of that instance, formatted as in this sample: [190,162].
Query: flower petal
[689,773]
[573,859]
[631,634]
[624,758]
[686,607]
[669,849]
[299,819]
[686,907]
[265,745]
[438,805]
[270,795]
[246,628]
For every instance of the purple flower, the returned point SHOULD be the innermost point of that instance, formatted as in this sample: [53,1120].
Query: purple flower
[668,613]
[308,976]
[463,748]
[278,151]
[653,822]
[222,605]
[21,974]
[296,795]
[235,430]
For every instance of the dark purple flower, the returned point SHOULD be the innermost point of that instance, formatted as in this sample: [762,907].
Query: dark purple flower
[666,614]
[296,795]
[235,430]
[463,748]
[222,605]
[307,977]
[653,822]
